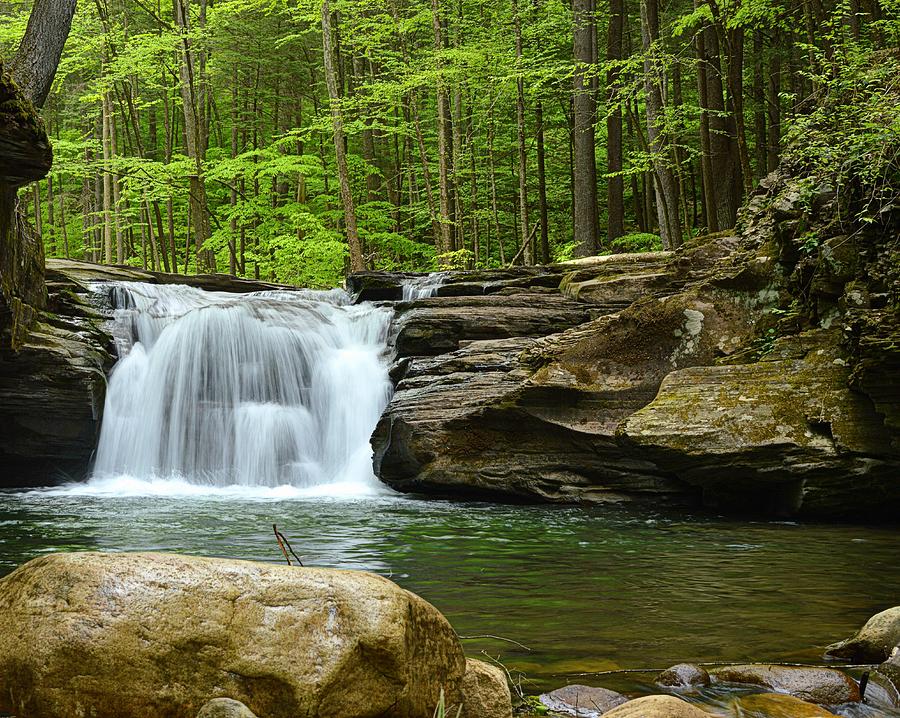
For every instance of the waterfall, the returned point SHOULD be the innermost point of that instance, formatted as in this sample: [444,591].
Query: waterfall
[423,286]
[267,389]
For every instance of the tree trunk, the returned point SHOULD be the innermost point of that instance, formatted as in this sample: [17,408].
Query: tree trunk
[443,131]
[615,188]
[585,229]
[37,58]
[527,253]
[194,92]
[542,183]
[657,134]
[337,124]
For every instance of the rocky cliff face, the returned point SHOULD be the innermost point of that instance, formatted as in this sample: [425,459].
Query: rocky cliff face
[748,372]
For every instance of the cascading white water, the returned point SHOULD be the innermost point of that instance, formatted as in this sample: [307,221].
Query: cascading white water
[266,389]
[422,287]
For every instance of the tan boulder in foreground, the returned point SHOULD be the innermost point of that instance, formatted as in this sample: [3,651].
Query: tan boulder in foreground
[657,707]
[137,635]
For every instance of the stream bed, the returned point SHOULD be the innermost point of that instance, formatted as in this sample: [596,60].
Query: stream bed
[586,590]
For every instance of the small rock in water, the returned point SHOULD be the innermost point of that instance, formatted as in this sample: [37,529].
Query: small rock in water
[776,705]
[582,701]
[485,692]
[225,708]
[683,675]
[657,707]
[817,685]
[873,642]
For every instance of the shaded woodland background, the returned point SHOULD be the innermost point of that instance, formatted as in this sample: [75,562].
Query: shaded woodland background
[293,140]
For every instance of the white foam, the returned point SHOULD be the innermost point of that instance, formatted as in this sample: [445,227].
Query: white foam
[179,487]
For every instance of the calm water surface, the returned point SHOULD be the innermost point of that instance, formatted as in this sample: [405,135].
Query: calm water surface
[586,590]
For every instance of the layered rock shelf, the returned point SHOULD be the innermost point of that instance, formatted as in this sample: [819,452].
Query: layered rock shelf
[699,377]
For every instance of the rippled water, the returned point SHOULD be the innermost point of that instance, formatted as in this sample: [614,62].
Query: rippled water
[586,590]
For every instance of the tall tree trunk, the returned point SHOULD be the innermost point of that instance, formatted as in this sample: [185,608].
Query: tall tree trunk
[443,133]
[615,188]
[585,229]
[194,91]
[657,134]
[107,183]
[542,183]
[337,124]
[527,253]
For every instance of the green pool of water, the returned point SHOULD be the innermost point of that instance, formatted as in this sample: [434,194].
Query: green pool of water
[586,590]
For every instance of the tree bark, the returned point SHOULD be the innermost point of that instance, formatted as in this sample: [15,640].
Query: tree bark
[337,124]
[585,229]
[657,135]
[527,252]
[615,188]
[194,92]
[443,132]
[37,58]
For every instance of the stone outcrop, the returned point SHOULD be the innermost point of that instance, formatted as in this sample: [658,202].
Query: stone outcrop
[134,635]
[25,156]
[814,685]
[753,372]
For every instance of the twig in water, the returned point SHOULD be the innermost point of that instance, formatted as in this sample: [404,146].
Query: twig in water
[727,663]
[282,542]
[496,638]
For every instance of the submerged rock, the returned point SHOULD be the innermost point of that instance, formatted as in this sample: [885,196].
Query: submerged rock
[582,701]
[136,635]
[816,685]
[657,707]
[874,642]
[683,675]
[485,691]
[776,705]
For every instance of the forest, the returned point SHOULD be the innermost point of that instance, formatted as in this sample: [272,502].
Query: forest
[296,140]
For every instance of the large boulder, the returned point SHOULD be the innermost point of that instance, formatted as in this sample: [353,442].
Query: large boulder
[135,635]
[816,685]
[873,642]
[657,707]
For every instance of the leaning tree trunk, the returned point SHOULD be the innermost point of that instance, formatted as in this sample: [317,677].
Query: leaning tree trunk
[34,65]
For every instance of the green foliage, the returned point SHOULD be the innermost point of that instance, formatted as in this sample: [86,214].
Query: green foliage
[638,242]
[273,201]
